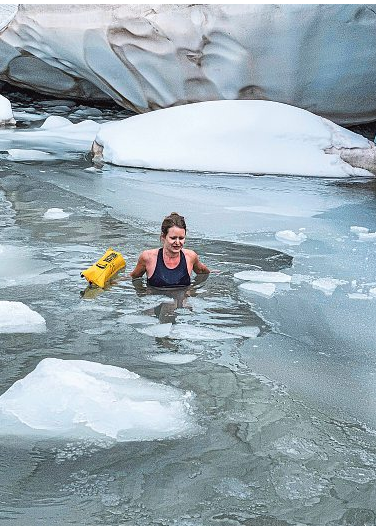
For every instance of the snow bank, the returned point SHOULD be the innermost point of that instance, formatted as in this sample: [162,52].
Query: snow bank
[16,317]
[77,398]
[6,113]
[55,134]
[155,56]
[258,137]
[7,13]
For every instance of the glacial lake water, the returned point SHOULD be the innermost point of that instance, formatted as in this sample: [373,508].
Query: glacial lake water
[286,420]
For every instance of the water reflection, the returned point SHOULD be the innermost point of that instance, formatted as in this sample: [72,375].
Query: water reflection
[176,298]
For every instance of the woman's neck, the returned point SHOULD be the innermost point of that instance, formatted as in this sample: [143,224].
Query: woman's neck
[172,256]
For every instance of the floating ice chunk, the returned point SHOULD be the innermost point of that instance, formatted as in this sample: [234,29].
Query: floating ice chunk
[174,359]
[367,236]
[261,289]
[372,292]
[327,285]
[184,331]
[138,319]
[296,447]
[358,296]
[55,213]
[263,276]
[21,267]
[284,209]
[25,116]
[247,331]
[16,317]
[233,487]
[83,399]
[359,229]
[15,154]
[357,474]
[159,330]
[296,482]
[290,238]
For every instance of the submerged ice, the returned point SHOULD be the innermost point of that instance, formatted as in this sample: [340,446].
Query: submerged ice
[81,399]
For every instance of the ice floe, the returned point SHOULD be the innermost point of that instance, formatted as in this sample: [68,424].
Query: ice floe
[174,359]
[358,296]
[263,276]
[290,238]
[237,136]
[261,289]
[184,331]
[246,331]
[56,213]
[77,398]
[359,229]
[25,116]
[138,319]
[327,285]
[367,236]
[15,154]
[16,317]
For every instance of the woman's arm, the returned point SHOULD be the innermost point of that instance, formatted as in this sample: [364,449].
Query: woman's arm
[140,268]
[199,267]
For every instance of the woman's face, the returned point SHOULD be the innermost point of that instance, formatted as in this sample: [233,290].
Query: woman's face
[174,240]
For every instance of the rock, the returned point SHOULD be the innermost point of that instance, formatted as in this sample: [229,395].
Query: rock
[155,56]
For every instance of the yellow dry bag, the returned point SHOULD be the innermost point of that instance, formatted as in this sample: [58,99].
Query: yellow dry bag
[110,263]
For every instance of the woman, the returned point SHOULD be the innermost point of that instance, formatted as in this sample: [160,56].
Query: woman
[171,265]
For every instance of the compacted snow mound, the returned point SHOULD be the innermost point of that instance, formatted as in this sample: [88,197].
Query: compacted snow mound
[16,317]
[6,113]
[83,399]
[148,56]
[246,136]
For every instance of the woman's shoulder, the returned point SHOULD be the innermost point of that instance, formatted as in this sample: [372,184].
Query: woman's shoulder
[149,254]
[191,254]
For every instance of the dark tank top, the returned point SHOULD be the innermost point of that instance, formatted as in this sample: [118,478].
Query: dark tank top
[170,277]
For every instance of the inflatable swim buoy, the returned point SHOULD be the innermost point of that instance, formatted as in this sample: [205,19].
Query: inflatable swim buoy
[106,267]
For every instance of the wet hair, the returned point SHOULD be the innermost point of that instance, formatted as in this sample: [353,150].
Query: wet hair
[174,219]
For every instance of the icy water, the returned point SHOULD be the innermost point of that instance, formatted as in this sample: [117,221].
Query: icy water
[283,386]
